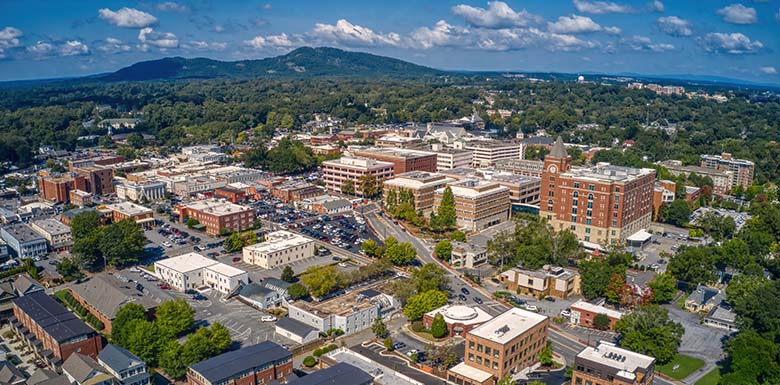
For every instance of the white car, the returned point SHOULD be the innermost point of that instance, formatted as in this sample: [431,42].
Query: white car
[412,352]
[342,264]
[565,313]
[167,244]
[268,318]
[531,308]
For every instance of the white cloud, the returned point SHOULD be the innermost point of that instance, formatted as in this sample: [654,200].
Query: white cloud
[112,45]
[73,48]
[44,49]
[127,17]
[643,43]
[9,37]
[601,7]
[578,24]
[657,6]
[675,26]
[738,14]
[172,6]
[282,41]
[497,15]
[346,33]
[149,37]
[769,70]
[41,48]
[201,45]
[443,34]
[730,43]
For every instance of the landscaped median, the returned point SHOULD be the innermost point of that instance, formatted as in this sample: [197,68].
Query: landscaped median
[681,367]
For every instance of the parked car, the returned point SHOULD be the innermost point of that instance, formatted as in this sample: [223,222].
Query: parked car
[399,345]
[461,297]
[165,287]
[478,300]
[531,307]
[565,313]
[549,299]
[236,259]
[268,318]
[167,244]
[342,264]
[464,290]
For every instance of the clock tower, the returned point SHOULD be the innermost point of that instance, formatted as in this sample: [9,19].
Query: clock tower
[555,163]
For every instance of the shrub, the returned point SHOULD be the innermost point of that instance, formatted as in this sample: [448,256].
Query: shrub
[317,352]
[418,326]
[309,361]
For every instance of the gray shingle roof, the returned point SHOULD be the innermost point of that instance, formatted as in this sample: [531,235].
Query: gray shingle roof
[275,282]
[229,364]
[118,358]
[24,284]
[9,374]
[80,367]
[559,149]
[108,294]
[295,327]
[40,376]
[254,290]
[52,317]
[339,374]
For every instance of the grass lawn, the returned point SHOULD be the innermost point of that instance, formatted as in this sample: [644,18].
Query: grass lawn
[687,365]
[710,378]
[681,301]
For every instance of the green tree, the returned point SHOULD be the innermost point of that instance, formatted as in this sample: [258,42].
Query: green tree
[322,280]
[135,140]
[664,288]
[297,291]
[198,347]
[120,324]
[430,277]
[370,247]
[348,187]
[69,269]
[443,250]
[379,328]
[614,288]
[171,360]
[368,186]
[743,288]
[546,355]
[220,339]
[678,213]
[601,321]
[84,224]
[458,235]
[693,265]
[175,317]
[388,344]
[144,340]
[309,361]
[596,274]
[648,330]
[234,242]
[438,326]
[122,243]
[192,222]
[288,275]
[424,302]
[752,360]
[445,215]
[403,289]
[400,254]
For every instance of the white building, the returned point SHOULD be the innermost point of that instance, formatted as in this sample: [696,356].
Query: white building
[486,153]
[280,248]
[53,231]
[132,191]
[351,312]
[193,271]
[468,255]
[449,158]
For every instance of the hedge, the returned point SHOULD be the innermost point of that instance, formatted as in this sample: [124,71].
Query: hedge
[65,297]
[309,361]
[324,350]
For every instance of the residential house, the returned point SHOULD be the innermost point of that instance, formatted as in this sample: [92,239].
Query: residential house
[125,366]
[296,330]
[83,370]
[704,299]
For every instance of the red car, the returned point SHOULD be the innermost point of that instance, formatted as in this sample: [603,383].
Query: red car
[165,287]
[236,259]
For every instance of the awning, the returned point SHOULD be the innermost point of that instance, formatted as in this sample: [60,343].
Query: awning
[640,236]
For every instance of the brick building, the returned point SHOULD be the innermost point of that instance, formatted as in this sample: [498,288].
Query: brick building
[422,185]
[263,363]
[337,172]
[103,295]
[217,215]
[503,346]
[583,313]
[57,188]
[403,160]
[608,364]
[663,193]
[232,194]
[550,281]
[478,204]
[742,170]
[460,319]
[296,190]
[143,216]
[601,205]
[98,179]
[53,332]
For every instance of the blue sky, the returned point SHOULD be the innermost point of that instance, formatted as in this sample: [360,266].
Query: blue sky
[40,39]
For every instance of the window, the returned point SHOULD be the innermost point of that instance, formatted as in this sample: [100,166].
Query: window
[574,210]
[587,238]
[590,205]
[617,189]
[613,232]
[573,218]
[587,221]
[576,185]
[574,202]
[591,187]
[590,197]
[587,230]
[617,198]
[573,228]
[590,213]
[576,194]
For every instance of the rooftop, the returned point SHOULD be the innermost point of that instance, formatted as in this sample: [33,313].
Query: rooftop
[296,327]
[726,157]
[229,364]
[473,188]
[118,358]
[605,172]
[461,314]
[129,208]
[216,207]
[392,152]
[418,180]
[53,318]
[52,226]
[186,262]
[587,306]
[278,240]
[508,325]
[471,372]
[358,162]
[624,361]
[226,270]
[344,304]
[490,144]
[339,374]
[22,233]
[107,294]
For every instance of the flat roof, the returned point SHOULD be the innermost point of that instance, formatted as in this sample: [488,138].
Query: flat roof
[394,152]
[609,173]
[23,233]
[418,179]
[186,262]
[473,188]
[471,372]
[129,208]
[226,270]
[229,364]
[466,315]
[52,226]
[625,361]
[358,162]
[587,306]
[215,206]
[279,240]
[508,325]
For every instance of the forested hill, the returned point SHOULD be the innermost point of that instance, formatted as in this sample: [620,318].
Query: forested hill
[300,63]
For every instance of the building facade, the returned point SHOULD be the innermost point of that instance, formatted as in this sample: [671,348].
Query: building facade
[478,204]
[280,248]
[403,160]
[420,185]
[142,216]
[218,215]
[141,191]
[604,204]
[460,319]
[449,158]
[551,281]
[57,234]
[721,179]
[193,271]
[344,171]
[584,313]
[258,364]
[485,153]
[23,240]
[742,170]
[608,364]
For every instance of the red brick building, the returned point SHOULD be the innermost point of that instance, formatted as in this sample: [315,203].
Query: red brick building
[218,215]
[257,364]
[53,332]
[57,188]
[601,205]
[232,194]
[460,319]
[295,190]
[403,160]
[583,313]
[99,179]
[143,216]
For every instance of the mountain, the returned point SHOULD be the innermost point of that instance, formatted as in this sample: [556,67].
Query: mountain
[300,63]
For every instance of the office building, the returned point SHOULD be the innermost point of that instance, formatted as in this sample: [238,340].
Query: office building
[104,294]
[603,204]
[478,204]
[551,281]
[608,364]
[501,347]
[468,255]
[80,198]
[485,153]
[324,204]
[460,319]
[721,179]
[53,332]
[448,158]
[98,179]
[403,160]
[420,185]
[231,194]
[57,188]
[258,364]
[663,194]
[583,313]
[524,167]
[218,215]
[742,170]
[193,271]
[523,190]
[142,216]
[351,312]
[345,171]
[57,234]
[23,241]
[280,248]
[296,190]
[339,374]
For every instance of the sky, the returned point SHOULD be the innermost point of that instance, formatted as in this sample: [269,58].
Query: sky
[734,39]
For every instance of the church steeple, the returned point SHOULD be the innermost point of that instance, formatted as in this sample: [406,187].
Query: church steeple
[559,150]
[558,160]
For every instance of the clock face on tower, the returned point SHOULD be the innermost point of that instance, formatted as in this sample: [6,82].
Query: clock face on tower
[552,169]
